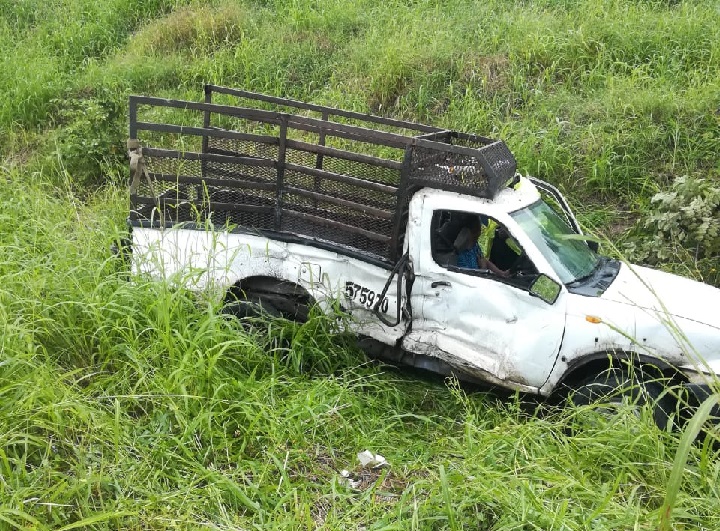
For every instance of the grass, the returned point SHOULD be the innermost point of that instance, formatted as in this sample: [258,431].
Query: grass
[137,405]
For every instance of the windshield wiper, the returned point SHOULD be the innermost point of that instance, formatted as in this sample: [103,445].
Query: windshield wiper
[602,260]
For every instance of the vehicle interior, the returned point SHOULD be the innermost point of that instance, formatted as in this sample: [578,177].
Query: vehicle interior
[450,235]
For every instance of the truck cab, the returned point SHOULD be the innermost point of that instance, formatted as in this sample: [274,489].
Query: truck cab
[495,327]
[562,306]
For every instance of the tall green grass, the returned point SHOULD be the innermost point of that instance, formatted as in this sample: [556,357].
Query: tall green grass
[138,405]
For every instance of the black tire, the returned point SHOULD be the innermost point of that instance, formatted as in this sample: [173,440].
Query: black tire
[251,307]
[617,386]
[273,298]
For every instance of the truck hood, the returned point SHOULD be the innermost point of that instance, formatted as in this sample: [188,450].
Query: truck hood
[666,294]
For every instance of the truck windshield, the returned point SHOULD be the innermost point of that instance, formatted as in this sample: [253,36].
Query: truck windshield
[568,255]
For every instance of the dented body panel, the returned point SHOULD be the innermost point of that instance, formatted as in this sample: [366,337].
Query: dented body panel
[480,324]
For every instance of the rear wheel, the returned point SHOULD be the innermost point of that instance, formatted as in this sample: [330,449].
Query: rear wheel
[251,306]
[268,298]
[616,387]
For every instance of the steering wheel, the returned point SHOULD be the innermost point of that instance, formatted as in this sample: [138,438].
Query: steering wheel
[522,267]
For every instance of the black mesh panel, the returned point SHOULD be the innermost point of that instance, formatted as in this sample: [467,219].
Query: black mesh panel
[481,174]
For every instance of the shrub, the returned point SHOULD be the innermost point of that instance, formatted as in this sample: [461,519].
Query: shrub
[683,226]
[91,138]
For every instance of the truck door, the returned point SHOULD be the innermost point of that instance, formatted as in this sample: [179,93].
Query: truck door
[480,322]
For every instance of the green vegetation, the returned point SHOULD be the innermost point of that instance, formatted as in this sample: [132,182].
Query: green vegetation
[141,406]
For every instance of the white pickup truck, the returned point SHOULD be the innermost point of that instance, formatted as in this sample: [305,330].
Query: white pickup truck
[283,210]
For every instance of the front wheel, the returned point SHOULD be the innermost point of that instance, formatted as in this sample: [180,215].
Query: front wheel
[617,387]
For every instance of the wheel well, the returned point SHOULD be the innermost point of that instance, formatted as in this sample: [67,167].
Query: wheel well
[269,285]
[287,298]
[597,363]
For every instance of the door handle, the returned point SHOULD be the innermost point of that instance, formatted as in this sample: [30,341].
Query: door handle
[439,283]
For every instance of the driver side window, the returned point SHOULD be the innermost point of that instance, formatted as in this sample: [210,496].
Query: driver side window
[478,245]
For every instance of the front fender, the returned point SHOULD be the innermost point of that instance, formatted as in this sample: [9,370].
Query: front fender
[608,328]
[593,328]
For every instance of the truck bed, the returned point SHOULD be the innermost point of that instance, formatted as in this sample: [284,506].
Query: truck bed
[343,179]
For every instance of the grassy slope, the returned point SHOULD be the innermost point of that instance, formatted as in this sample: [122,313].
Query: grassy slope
[135,406]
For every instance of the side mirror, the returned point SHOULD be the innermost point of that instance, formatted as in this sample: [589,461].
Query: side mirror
[545,288]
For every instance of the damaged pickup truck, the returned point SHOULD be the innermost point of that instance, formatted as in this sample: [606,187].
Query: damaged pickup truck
[284,204]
